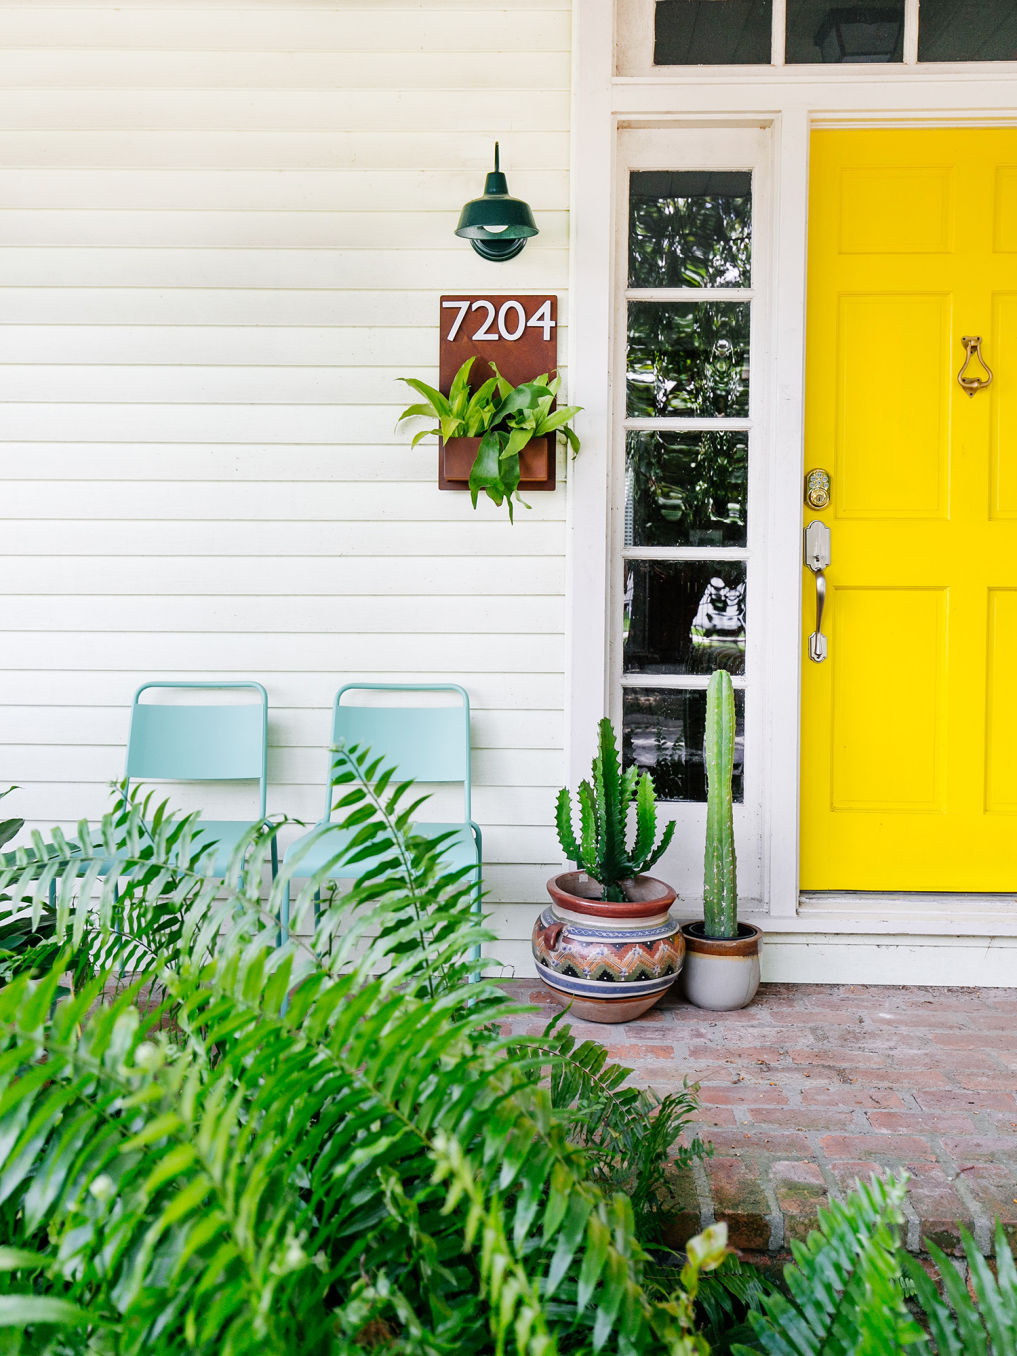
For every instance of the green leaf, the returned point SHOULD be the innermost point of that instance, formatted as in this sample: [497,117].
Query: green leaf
[20,1311]
[10,827]
[14,1259]
[418,412]
[561,416]
[436,403]
[459,388]
[485,474]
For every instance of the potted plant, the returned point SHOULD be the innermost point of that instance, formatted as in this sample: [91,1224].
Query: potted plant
[494,427]
[608,944]
[722,955]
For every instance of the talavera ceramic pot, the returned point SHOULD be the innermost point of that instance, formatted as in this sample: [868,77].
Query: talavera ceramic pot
[721,974]
[611,961]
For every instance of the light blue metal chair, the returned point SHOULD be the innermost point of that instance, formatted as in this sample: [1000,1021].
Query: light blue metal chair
[213,742]
[424,743]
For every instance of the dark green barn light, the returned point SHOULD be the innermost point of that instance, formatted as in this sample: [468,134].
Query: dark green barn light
[496,225]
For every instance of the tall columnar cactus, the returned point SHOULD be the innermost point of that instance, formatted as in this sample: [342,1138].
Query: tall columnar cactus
[604,803]
[720,887]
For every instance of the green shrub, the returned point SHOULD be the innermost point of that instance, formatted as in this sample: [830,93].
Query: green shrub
[317,1148]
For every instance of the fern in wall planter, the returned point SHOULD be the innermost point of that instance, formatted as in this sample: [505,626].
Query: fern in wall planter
[505,419]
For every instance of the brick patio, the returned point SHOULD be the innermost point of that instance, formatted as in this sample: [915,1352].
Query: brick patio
[813,1086]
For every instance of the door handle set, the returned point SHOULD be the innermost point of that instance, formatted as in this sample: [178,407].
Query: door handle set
[817,558]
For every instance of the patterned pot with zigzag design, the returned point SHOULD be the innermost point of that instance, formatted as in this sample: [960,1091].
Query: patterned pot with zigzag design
[610,961]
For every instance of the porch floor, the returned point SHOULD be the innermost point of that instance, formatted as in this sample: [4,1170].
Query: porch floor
[813,1086]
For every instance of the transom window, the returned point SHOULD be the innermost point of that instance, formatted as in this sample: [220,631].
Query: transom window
[811,32]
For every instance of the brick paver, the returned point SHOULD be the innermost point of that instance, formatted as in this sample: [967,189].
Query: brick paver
[814,1086]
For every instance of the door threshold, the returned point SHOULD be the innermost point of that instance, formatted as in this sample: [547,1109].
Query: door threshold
[912,913]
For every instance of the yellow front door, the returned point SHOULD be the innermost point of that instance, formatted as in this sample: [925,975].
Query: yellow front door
[909,737]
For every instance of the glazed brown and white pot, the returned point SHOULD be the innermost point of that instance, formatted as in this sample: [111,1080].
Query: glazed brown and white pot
[721,973]
[610,961]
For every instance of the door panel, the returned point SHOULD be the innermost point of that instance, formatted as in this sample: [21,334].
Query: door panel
[890,395]
[1001,723]
[1003,482]
[905,773]
[909,738]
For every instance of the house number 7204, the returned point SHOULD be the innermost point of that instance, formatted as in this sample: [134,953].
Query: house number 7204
[512,320]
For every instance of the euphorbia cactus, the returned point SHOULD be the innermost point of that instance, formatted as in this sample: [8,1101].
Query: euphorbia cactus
[720,886]
[604,803]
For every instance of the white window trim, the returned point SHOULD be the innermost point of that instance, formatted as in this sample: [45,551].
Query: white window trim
[722,148]
[790,100]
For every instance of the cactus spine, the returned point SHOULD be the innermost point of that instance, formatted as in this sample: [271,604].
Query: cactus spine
[720,887]
[604,803]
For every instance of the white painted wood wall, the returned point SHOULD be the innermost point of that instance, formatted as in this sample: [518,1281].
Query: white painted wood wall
[224,231]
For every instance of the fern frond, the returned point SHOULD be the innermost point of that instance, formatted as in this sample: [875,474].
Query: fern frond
[967,1321]
[844,1295]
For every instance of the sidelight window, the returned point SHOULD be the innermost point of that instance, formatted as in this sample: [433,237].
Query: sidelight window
[684,589]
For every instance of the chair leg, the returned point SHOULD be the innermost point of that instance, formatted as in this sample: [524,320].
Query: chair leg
[284,916]
[478,904]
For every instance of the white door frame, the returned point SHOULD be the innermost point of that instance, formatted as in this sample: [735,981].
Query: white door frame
[705,148]
[789,101]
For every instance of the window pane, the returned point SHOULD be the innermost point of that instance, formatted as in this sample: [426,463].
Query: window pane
[665,732]
[684,616]
[959,30]
[689,230]
[685,489]
[712,32]
[849,34]
[688,359]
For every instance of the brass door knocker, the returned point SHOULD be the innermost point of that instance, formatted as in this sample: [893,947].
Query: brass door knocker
[973,349]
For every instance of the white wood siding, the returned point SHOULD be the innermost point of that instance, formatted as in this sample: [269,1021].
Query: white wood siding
[223,233]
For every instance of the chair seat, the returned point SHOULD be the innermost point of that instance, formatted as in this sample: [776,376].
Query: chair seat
[225,834]
[311,852]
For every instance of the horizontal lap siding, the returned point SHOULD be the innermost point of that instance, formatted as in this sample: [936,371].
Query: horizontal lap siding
[223,234]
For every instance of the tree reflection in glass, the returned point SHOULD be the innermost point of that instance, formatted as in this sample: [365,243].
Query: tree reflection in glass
[684,616]
[705,33]
[664,731]
[687,359]
[690,229]
[685,489]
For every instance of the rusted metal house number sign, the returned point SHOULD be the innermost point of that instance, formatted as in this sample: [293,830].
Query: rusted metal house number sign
[520,336]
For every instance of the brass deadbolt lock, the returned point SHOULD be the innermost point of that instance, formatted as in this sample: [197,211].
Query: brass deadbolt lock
[817,488]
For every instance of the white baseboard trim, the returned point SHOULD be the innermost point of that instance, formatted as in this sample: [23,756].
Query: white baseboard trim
[800,957]
[919,915]
[816,958]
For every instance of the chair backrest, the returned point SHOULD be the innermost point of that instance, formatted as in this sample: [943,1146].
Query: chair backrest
[425,743]
[188,741]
